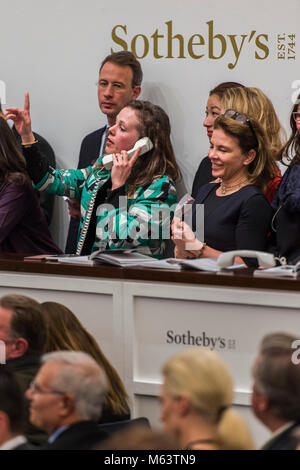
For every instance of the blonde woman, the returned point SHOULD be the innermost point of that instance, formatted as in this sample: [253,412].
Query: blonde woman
[196,399]
[255,104]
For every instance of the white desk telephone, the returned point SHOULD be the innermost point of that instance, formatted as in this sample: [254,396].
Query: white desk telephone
[266,260]
[145,144]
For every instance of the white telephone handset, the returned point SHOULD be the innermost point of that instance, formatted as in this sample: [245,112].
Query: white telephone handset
[145,144]
[266,260]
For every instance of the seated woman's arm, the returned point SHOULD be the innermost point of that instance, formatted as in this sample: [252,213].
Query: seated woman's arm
[187,245]
[250,234]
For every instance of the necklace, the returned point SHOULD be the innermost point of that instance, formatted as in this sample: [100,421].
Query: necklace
[225,187]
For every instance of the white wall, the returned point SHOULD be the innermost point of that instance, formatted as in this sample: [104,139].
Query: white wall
[53,49]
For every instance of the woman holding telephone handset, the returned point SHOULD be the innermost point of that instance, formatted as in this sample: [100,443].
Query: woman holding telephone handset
[120,208]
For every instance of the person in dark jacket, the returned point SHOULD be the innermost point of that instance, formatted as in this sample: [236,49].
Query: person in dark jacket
[66,398]
[23,331]
[285,239]
[23,227]
[11,412]
[120,78]
[276,389]
[46,200]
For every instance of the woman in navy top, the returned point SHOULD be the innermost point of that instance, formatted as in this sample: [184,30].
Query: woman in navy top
[236,212]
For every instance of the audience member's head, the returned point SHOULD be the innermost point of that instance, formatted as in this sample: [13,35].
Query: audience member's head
[291,150]
[65,332]
[196,402]
[256,105]
[120,78]
[22,326]
[139,438]
[276,382]
[69,387]
[11,406]
[214,106]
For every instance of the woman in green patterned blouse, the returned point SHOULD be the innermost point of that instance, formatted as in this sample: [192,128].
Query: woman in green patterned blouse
[129,206]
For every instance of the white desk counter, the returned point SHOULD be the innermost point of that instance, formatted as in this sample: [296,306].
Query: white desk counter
[140,317]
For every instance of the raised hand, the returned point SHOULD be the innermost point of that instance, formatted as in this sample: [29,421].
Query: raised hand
[122,167]
[22,120]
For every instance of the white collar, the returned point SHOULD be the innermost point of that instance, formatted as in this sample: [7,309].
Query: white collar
[278,432]
[14,442]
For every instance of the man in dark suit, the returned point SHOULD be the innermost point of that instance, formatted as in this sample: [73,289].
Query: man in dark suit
[23,331]
[276,390]
[120,78]
[66,400]
[11,412]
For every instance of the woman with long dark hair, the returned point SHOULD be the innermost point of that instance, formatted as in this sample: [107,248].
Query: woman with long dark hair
[23,227]
[121,207]
[66,333]
[285,239]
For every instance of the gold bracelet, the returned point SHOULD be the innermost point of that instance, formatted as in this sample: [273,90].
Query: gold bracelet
[28,144]
[200,251]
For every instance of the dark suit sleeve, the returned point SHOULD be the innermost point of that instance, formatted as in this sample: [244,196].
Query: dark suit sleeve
[46,200]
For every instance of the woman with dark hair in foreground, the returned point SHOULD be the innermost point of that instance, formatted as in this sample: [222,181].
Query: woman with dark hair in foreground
[65,332]
[121,207]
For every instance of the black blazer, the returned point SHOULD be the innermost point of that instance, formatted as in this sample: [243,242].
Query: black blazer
[89,152]
[284,441]
[83,435]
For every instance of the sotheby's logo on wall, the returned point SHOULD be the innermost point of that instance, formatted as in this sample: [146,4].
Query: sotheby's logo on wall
[203,338]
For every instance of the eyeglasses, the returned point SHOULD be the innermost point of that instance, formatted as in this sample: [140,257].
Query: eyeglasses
[296,116]
[242,118]
[36,389]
